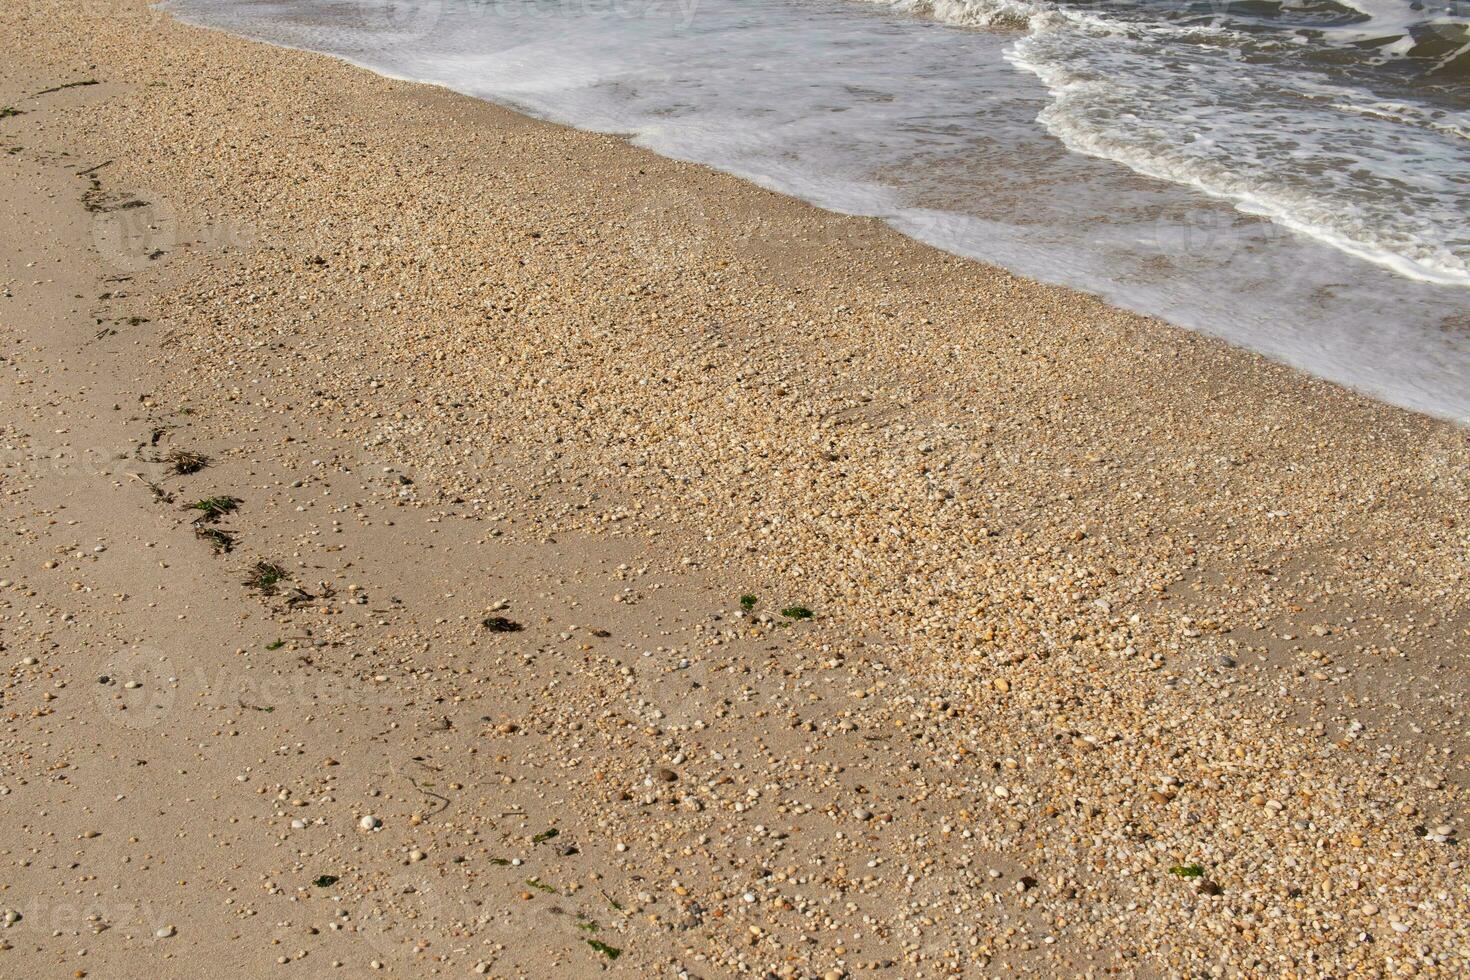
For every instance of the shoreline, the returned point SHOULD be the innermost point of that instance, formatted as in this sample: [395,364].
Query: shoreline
[1429,392]
[864,235]
[1095,597]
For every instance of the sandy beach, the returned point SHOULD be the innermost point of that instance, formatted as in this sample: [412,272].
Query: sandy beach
[440,542]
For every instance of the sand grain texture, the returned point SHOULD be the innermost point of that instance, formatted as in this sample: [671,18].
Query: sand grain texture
[1098,603]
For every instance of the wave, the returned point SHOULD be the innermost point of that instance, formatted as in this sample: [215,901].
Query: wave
[1193,95]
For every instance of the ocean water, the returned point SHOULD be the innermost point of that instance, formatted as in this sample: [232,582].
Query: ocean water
[1291,177]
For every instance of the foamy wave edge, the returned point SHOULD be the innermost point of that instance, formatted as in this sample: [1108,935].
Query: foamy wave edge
[1035,18]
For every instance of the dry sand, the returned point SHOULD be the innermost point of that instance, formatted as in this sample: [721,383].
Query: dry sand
[1132,653]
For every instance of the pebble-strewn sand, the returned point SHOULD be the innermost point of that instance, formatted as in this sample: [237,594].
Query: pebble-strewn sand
[1132,653]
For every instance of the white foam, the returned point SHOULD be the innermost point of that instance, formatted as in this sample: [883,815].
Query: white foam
[1264,140]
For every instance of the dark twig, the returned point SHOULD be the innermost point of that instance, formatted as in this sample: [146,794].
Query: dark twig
[61,88]
[444,800]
